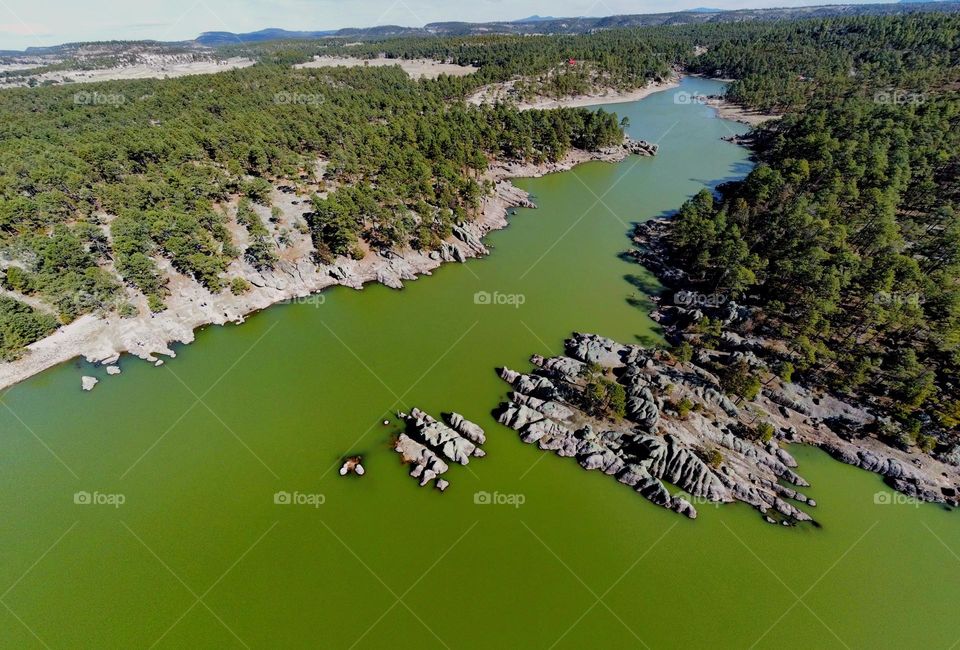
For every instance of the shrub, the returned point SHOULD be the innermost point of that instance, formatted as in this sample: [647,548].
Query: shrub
[239,286]
[764,432]
[714,458]
[155,303]
[683,353]
[684,407]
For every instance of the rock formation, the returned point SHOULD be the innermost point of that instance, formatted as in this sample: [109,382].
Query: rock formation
[428,445]
[705,452]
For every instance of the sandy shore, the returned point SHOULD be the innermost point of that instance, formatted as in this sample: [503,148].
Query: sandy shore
[732,111]
[295,279]
[501,92]
[737,113]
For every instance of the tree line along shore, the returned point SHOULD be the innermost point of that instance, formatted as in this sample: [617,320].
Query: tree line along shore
[845,238]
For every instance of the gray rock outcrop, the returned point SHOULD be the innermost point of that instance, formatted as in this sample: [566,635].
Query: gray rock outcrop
[647,450]
[428,445]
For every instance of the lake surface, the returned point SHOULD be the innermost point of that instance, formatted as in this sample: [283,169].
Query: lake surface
[199,556]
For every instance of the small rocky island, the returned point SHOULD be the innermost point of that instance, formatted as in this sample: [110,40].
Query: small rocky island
[428,445]
[645,419]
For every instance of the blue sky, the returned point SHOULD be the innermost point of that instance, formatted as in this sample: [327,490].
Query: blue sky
[25,23]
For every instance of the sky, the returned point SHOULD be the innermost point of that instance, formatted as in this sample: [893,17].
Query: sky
[26,23]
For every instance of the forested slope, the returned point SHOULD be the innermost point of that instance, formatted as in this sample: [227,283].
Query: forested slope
[94,192]
[846,236]
[847,233]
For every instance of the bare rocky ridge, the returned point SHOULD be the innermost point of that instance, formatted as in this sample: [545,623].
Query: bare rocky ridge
[429,445]
[654,445]
[416,68]
[814,417]
[129,62]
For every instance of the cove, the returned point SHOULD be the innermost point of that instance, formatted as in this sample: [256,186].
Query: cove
[200,556]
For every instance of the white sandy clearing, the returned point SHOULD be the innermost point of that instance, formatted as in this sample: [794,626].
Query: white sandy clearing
[730,111]
[416,68]
[15,67]
[502,92]
[159,67]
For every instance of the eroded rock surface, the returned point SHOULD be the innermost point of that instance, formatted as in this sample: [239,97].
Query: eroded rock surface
[652,446]
[429,445]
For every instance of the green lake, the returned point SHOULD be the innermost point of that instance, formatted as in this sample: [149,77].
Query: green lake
[198,555]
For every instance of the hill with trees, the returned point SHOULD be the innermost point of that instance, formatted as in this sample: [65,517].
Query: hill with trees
[846,235]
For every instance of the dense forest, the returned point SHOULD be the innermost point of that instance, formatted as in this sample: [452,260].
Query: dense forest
[94,193]
[847,233]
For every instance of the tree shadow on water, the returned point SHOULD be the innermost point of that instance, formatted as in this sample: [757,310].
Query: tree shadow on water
[647,286]
[651,340]
[646,283]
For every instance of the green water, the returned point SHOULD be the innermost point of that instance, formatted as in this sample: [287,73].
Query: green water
[199,556]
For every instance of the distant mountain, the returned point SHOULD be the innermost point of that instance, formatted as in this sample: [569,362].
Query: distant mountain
[551,25]
[216,39]
[535,19]
[577,25]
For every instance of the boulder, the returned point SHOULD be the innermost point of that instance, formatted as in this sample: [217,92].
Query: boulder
[426,464]
[467,429]
[440,438]
[516,416]
[591,348]
[643,410]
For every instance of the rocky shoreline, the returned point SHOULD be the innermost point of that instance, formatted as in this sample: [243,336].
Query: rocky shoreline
[296,278]
[677,428]
[812,417]
[504,92]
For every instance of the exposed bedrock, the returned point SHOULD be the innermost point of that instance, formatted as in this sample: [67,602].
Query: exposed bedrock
[429,445]
[702,453]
